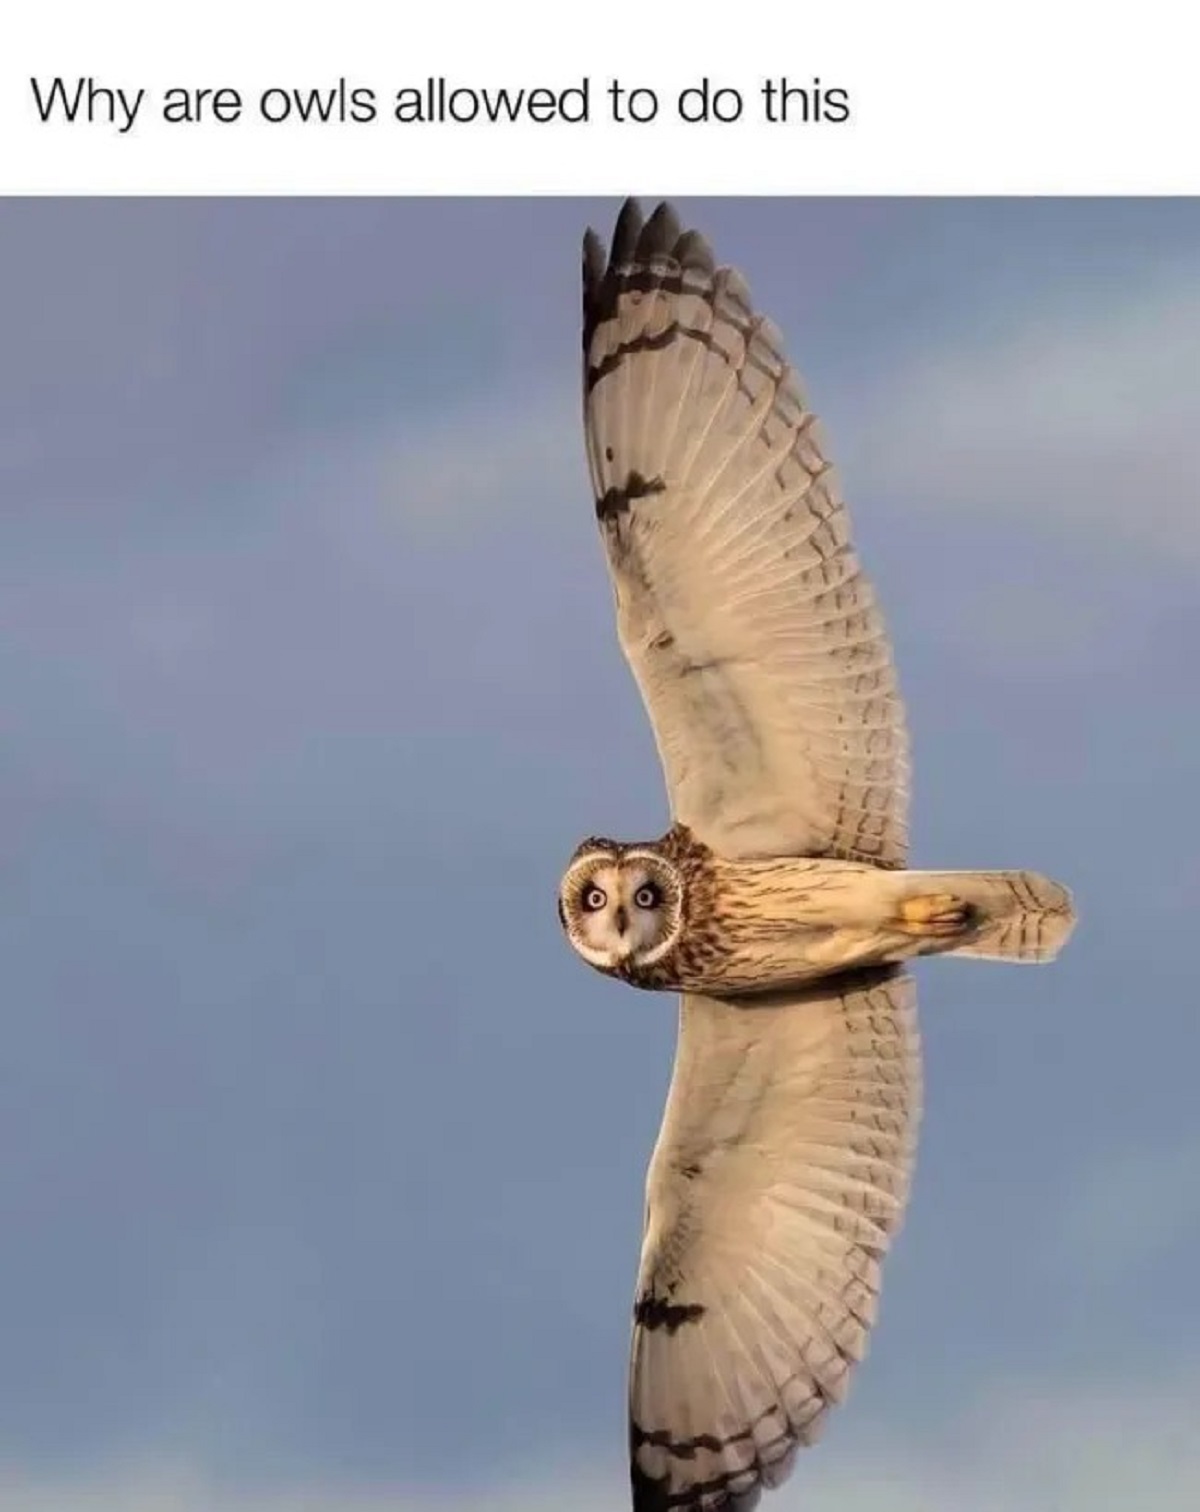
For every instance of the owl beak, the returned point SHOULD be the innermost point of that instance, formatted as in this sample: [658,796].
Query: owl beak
[621,918]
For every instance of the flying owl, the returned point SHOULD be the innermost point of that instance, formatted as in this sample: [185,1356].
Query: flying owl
[778,903]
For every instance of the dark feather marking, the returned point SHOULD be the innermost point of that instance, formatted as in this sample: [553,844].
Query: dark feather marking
[653,1493]
[659,1438]
[653,1313]
[616,501]
[600,299]
[774,369]
[641,343]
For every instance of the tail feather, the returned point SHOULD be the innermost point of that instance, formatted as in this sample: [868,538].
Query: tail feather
[1014,915]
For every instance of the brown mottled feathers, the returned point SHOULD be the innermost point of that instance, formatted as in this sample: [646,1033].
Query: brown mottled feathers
[750,629]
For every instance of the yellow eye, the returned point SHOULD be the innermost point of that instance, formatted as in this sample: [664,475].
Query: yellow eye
[594,898]
[647,896]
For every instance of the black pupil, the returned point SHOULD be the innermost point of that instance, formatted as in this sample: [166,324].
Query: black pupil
[593,898]
[646,897]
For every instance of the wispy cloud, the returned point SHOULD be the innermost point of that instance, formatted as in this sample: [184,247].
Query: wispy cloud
[1079,413]
[489,457]
[1041,1446]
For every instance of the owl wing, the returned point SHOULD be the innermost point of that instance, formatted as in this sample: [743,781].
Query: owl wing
[780,1175]
[752,633]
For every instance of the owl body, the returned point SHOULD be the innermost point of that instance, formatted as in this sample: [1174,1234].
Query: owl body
[671,915]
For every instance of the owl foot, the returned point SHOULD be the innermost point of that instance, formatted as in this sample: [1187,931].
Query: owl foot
[937,914]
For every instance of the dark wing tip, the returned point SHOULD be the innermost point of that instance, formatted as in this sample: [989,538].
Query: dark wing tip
[636,241]
[627,232]
[661,233]
[595,260]
[692,251]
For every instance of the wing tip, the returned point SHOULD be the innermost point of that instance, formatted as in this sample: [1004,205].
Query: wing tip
[638,240]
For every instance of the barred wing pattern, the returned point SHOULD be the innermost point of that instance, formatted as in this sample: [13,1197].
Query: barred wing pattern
[779,1177]
[751,631]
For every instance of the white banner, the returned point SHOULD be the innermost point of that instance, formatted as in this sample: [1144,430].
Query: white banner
[849,97]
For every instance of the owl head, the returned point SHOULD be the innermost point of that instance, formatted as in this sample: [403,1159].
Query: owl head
[621,905]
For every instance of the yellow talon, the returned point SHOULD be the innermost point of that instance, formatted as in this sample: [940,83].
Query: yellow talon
[934,914]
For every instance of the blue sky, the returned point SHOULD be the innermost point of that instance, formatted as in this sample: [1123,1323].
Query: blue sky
[325,1157]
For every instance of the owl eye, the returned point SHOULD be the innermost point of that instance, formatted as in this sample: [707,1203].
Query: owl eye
[594,898]
[647,896]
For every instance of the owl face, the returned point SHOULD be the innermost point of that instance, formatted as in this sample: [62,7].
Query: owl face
[621,908]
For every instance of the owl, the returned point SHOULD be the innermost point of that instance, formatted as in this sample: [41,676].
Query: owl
[779,904]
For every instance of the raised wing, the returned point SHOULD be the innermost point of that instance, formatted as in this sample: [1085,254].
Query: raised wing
[780,1175]
[752,633]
